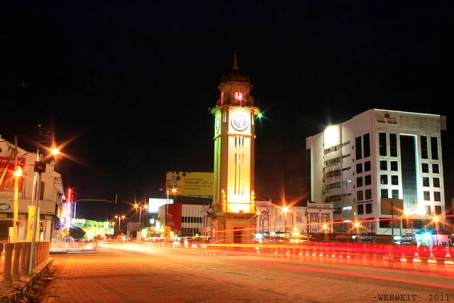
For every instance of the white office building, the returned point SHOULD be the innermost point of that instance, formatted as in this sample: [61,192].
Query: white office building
[382,169]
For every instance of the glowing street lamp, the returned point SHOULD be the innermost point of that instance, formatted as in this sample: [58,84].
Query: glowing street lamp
[119,218]
[357,224]
[39,168]
[325,228]
[140,207]
[436,219]
[286,210]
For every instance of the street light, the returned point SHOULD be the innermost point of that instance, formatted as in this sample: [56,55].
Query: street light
[357,224]
[436,229]
[140,207]
[17,174]
[411,222]
[267,213]
[325,228]
[119,218]
[44,136]
[285,210]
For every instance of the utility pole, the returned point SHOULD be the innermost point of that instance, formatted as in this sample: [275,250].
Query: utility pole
[16,194]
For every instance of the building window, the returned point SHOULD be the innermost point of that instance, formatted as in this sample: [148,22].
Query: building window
[368,180]
[368,194]
[359,182]
[359,195]
[393,145]
[367,166]
[437,196]
[383,179]
[394,166]
[394,180]
[424,149]
[436,182]
[425,168]
[427,209]
[383,165]
[299,218]
[395,194]
[366,139]
[434,147]
[368,208]
[382,143]
[359,168]
[384,193]
[435,169]
[437,210]
[425,181]
[359,149]
[426,195]
[360,209]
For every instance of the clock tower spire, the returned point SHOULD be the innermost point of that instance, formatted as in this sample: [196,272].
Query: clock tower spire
[233,216]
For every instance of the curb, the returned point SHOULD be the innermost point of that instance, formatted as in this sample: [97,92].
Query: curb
[19,288]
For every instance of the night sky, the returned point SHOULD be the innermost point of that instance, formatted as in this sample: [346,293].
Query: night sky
[127,86]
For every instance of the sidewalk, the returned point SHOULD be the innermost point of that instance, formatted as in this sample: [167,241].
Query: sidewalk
[19,288]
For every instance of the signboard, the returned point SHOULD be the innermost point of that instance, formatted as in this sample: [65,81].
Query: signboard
[194,184]
[7,184]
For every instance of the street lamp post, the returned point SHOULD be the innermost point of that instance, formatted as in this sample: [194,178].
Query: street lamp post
[306,213]
[436,230]
[140,207]
[16,192]
[40,167]
[145,207]
[267,213]
[44,136]
[325,227]
[285,210]
[357,231]
[119,218]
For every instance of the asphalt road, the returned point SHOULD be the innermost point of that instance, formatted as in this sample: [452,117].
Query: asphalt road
[135,272]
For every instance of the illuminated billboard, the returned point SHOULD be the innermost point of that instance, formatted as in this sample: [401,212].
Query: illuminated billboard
[155,203]
[194,184]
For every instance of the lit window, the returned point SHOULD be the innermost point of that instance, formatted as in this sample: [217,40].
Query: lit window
[238,95]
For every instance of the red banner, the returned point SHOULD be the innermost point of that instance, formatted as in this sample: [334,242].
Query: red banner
[7,184]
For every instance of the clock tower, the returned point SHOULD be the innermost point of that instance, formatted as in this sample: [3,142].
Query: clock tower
[233,207]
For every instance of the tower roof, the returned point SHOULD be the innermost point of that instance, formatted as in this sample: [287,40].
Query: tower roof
[236,74]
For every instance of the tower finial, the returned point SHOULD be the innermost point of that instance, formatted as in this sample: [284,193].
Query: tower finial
[235,64]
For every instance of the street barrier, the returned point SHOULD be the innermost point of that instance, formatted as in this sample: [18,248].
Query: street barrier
[357,253]
[15,260]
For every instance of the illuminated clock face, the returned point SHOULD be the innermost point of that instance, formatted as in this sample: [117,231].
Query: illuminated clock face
[239,122]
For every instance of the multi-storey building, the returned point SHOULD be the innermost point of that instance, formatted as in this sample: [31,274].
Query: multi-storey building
[51,195]
[383,169]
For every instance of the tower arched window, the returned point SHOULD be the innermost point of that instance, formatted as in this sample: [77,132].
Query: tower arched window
[238,96]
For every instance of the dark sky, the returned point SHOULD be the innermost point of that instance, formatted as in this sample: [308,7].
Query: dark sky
[127,85]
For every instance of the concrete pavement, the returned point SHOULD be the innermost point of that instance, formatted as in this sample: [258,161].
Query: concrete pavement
[20,288]
[28,286]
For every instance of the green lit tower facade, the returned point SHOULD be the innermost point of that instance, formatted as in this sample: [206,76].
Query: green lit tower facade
[233,216]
